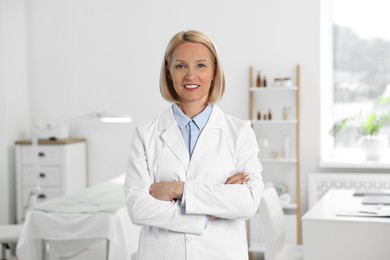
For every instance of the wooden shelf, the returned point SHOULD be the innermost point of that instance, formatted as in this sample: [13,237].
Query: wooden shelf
[281,160]
[275,122]
[262,89]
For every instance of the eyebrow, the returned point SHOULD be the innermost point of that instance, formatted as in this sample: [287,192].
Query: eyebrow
[202,60]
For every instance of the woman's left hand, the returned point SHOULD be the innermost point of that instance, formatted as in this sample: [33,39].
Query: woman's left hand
[238,178]
[167,190]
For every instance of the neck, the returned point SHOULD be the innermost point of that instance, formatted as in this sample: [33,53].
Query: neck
[192,110]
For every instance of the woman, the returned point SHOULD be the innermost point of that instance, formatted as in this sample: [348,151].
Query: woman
[193,176]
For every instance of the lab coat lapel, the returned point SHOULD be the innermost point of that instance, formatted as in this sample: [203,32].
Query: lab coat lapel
[211,133]
[172,137]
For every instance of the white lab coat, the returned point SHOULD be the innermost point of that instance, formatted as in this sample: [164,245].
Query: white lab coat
[170,231]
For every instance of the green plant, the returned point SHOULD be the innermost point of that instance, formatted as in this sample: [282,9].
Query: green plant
[367,125]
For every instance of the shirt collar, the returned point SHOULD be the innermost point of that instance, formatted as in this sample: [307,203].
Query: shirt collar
[200,120]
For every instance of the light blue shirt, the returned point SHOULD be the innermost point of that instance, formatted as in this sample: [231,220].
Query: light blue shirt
[190,130]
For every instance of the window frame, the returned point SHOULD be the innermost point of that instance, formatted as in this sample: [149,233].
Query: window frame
[330,156]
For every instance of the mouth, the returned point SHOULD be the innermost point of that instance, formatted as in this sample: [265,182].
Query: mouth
[191,86]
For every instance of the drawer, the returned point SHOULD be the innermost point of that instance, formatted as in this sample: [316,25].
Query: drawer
[48,155]
[47,176]
[45,194]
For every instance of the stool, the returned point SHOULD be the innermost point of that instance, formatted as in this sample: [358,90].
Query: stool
[9,234]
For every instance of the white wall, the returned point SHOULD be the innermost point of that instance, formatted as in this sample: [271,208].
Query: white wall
[89,55]
[14,113]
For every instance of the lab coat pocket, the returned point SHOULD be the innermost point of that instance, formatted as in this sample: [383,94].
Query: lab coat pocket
[154,248]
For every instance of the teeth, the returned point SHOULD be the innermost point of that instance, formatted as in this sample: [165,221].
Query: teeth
[191,86]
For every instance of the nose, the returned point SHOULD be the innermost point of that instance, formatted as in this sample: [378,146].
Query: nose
[190,73]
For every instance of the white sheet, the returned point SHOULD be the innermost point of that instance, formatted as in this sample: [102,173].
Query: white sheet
[104,197]
[69,232]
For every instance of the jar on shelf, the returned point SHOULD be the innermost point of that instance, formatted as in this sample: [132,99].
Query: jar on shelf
[278,82]
[287,82]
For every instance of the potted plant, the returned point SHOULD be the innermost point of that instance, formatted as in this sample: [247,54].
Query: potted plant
[369,127]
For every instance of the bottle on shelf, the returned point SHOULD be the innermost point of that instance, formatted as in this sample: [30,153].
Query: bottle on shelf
[258,115]
[259,81]
[264,81]
[269,114]
[284,113]
[264,148]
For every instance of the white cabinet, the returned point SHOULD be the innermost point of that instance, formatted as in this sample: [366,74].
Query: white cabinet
[51,169]
[274,113]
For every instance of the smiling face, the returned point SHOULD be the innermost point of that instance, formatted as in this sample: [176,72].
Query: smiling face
[191,70]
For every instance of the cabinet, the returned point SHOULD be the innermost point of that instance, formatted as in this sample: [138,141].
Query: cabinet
[274,114]
[51,169]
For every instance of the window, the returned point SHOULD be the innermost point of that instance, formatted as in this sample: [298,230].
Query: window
[360,43]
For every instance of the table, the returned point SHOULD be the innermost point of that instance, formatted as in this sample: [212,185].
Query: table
[327,235]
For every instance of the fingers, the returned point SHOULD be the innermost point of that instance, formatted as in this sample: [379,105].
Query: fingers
[160,191]
[211,218]
[153,190]
[235,179]
[238,178]
[167,190]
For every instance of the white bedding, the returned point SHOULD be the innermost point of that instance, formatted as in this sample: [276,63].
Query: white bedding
[104,197]
[77,220]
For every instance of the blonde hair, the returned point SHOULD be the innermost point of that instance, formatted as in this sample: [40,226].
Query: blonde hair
[166,85]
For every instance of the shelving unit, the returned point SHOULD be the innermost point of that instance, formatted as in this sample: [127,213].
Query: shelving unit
[279,166]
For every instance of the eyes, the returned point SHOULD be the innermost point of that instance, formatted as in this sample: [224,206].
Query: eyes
[184,66]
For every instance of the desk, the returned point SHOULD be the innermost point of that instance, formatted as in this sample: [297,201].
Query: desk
[328,236]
